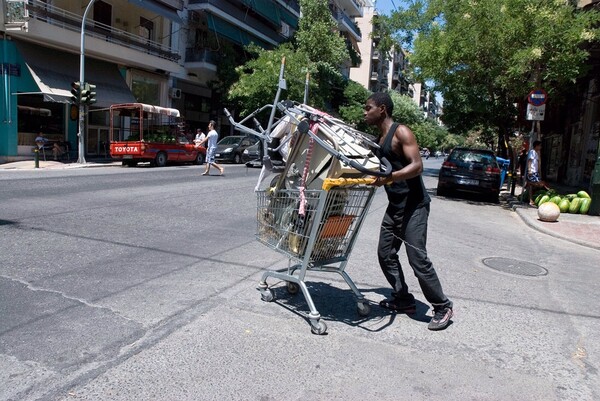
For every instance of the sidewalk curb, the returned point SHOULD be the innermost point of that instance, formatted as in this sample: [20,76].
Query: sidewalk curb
[519,208]
[54,165]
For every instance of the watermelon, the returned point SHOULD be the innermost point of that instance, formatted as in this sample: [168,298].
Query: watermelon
[538,197]
[583,194]
[571,196]
[564,205]
[575,205]
[585,205]
[556,199]
[549,211]
[543,200]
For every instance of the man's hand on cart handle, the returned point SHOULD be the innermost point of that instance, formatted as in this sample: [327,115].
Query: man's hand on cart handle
[379,181]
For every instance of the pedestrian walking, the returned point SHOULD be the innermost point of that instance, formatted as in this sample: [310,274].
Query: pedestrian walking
[405,219]
[211,148]
[200,136]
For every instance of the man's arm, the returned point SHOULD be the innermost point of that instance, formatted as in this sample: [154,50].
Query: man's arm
[404,143]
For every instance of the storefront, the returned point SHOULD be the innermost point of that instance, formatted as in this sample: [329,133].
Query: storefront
[36,91]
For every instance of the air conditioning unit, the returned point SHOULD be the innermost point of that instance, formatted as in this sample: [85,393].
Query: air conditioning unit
[175,93]
[285,30]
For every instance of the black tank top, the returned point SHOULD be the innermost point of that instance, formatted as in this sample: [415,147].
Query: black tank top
[410,192]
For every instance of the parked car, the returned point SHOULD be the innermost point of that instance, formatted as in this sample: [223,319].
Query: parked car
[252,156]
[231,148]
[470,170]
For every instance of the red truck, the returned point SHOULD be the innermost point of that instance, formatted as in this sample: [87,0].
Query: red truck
[145,133]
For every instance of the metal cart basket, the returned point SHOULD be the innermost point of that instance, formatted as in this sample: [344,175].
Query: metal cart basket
[317,230]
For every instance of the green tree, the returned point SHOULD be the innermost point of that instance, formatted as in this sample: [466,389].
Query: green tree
[484,55]
[352,111]
[318,35]
[318,49]
[259,78]
[406,110]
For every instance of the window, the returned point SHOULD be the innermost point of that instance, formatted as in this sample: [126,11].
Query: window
[146,89]
[146,29]
[103,13]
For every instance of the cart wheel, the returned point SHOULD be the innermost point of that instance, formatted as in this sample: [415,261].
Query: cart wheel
[267,295]
[363,308]
[293,288]
[318,328]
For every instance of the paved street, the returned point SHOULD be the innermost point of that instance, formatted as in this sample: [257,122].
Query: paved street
[140,284]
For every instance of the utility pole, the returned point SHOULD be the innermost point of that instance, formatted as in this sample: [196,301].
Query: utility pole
[82,106]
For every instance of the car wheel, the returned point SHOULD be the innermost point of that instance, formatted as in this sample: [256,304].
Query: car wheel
[442,191]
[199,159]
[161,159]
[237,159]
[493,198]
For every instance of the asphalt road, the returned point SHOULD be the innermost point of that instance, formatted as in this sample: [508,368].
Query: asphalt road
[140,284]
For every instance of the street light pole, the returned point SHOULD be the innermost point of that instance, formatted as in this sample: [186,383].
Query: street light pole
[82,107]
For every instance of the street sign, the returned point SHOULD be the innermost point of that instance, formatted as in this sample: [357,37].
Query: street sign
[536,113]
[537,97]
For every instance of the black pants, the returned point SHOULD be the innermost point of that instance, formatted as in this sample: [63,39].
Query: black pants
[408,225]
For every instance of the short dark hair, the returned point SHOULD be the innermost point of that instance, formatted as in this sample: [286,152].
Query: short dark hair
[383,98]
[536,143]
[213,123]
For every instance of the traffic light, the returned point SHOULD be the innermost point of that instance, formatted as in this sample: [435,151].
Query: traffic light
[75,92]
[88,94]
[91,94]
[85,94]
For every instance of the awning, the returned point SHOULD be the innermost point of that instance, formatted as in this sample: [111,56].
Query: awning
[232,32]
[158,8]
[265,8]
[53,71]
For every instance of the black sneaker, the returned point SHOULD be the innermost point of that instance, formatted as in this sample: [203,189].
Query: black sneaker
[441,318]
[399,305]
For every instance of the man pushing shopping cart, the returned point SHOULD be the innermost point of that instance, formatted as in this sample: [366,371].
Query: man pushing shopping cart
[313,211]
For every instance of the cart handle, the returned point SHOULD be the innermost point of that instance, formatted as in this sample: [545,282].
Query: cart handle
[329,183]
[385,167]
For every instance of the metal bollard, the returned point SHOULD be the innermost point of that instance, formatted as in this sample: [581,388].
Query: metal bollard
[36,157]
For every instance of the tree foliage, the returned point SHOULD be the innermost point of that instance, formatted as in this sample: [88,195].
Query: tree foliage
[318,35]
[259,77]
[485,55]
[352,111]
[318,50]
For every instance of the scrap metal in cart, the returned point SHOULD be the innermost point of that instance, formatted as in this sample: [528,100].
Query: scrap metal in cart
[317,205]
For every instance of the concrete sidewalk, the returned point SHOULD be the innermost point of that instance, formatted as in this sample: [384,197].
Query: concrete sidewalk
[56,165]
[577,228]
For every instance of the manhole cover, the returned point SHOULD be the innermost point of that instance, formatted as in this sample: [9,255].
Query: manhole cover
[515,266]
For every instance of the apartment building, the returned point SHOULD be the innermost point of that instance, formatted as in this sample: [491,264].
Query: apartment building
[381,72]
[161,52]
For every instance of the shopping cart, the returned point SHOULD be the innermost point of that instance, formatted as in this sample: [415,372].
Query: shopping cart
[314,209]
[318,239]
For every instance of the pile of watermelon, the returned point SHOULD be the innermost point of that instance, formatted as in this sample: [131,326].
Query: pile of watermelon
[571,203]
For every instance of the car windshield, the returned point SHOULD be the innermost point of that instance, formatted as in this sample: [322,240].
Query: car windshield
[231,140]
[472,156]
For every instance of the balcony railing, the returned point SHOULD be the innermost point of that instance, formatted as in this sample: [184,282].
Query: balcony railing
[193,55]
[55,16]
[342,17]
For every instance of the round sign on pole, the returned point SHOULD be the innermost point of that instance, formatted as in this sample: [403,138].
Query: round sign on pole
[537,97]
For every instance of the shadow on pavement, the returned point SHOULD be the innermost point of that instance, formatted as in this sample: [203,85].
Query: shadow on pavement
[339,304]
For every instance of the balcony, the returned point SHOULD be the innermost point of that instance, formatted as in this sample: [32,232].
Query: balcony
[347,25]
[41,13]
[353,8]
[238,17]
